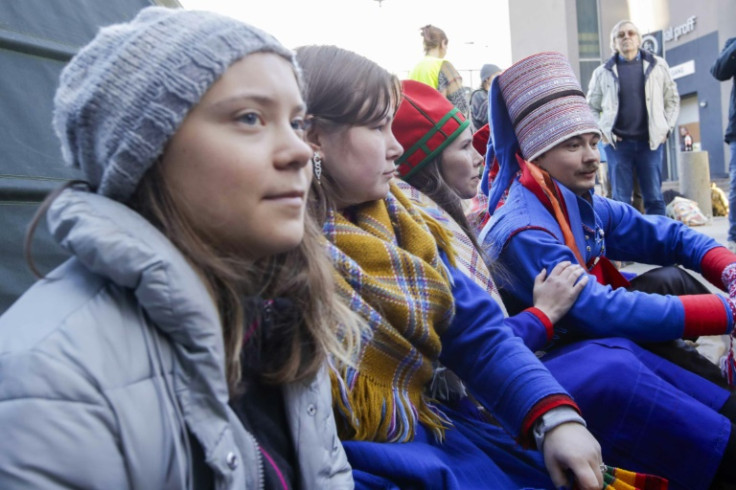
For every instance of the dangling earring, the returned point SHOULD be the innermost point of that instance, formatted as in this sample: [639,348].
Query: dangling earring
[317,165]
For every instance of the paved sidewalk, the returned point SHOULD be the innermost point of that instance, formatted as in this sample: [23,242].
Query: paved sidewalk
[717,228]
[712,347]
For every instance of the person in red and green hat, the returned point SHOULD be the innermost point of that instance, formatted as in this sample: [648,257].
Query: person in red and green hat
[436,143]
[395,266]
[439,169]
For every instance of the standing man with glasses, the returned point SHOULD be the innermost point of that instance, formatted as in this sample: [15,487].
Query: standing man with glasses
[636,105]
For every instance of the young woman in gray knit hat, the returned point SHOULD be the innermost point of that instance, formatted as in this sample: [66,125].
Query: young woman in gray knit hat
[184,343]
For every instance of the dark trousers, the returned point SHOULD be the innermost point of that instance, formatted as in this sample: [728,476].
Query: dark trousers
[635,157]
[676,281]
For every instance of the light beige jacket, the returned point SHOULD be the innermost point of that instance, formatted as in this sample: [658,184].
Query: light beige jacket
[662,98]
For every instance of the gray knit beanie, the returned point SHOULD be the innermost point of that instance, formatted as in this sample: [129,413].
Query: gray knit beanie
[124,95]
[487,70]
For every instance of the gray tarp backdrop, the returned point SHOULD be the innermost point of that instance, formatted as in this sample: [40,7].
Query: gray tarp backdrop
[37,38]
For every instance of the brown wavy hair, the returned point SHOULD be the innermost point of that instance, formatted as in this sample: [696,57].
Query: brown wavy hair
[302,275]
[429,180]
[359,93]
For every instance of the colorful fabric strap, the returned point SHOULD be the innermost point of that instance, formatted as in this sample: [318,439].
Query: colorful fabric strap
[618,479]
[389,270]
[541,184]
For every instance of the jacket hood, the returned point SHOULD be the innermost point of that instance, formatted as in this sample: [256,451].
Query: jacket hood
[115,242]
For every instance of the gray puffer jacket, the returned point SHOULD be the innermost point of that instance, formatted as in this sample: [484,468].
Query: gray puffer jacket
[662,98]
[112,363]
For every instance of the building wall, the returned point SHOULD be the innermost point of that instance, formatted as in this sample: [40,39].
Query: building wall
[610,11]
[37,38]
[552,25]
[707,89]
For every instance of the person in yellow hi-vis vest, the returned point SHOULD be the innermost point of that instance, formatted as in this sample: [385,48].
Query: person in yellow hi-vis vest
[437,72]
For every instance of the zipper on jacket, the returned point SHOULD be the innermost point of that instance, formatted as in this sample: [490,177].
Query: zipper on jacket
[270,460]
[259,461]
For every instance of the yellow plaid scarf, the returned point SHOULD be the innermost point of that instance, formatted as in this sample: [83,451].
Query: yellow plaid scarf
[468,259]
[390,272]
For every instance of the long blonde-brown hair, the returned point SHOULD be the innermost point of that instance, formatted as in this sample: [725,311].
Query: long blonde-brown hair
[360,93]
[303,275]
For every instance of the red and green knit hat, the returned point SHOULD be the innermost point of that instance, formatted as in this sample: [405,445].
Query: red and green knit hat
[425,124]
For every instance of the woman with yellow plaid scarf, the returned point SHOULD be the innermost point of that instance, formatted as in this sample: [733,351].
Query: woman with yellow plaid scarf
[396,267]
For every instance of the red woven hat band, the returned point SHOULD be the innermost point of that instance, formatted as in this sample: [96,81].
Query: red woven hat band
[425,123]
[545,103]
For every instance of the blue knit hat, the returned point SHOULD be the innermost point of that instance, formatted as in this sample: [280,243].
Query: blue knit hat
[125,94]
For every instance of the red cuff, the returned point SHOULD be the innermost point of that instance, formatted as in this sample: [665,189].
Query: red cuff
[713,263]
[544,319]
[543,406]
[705,314]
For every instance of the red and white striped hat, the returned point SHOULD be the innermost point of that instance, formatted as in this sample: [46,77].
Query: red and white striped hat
[545,103]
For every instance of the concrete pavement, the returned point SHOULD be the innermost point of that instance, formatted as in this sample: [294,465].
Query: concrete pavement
[712,347]
[717,229]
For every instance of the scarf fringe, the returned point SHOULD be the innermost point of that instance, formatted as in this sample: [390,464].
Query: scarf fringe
[368,411]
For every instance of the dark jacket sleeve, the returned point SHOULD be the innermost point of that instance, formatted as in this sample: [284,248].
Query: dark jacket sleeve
[532,326]
[725,65]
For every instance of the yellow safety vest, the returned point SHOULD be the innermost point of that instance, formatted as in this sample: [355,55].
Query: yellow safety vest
[427,71]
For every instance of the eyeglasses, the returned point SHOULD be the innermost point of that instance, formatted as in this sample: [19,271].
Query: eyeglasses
[623,34]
